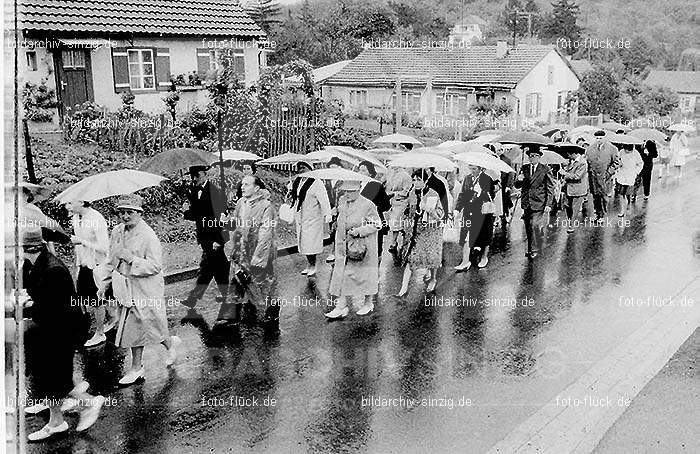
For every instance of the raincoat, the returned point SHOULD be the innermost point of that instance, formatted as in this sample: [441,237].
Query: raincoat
[356,278]
[144,323]
[603,160]
[310,219]
[398,185]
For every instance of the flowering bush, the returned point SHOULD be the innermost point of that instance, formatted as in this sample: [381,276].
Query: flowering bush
[39,102]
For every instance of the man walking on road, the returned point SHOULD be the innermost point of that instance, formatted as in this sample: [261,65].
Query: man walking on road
[205,206]
[576,177]
[537,186]
[603,161]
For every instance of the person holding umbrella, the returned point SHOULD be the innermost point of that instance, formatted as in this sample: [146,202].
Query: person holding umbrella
[575,175]
[603,162]
[375,192]
[626,175]
[248,168]
[398,188]
[205,205]
[356,270]
[253,252]
[59,327]
[91,244]
[648,152]
[332,191]
[475,201]
[135,273]
[310,201]
[537,195]
[679,151]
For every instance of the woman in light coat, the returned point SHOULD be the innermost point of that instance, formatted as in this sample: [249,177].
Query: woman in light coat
[313,209]
[631,165]
[358,222]
[135,271]
[398,187]
[679,151]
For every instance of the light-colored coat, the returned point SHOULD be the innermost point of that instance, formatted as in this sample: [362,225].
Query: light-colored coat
[679,149]
[576,177]
[310,219]
[145,322]
[603,162]
[91,229]
[356,278]
[631,166]
[398,185]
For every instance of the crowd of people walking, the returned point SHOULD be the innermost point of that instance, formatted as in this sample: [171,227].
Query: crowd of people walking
[406,214]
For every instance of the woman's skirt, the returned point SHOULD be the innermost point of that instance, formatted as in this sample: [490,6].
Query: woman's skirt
[143,324]
[395,217]
[427,252]
[49,363]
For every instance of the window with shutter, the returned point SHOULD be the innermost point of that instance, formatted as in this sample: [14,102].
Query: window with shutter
[120,69]
[539,104]
[203,61]
[163,69]
[239,63]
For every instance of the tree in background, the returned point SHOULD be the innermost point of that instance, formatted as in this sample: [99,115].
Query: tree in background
[510,22]
[562,23]
[418,22]
[265,13]
[655,101]
[599,92]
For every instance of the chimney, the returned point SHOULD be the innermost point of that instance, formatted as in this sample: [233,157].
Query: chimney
[501,49]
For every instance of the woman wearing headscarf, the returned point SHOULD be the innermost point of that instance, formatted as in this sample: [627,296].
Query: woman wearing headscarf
[475,201]
[135,272]
[375,192]
[356,270]
[424,248]
[631,165]
[254,251]
[313,209]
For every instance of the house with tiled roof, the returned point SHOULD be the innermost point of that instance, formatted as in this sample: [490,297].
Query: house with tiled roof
[443,82]
[97,49]
[468,31]
[685,83]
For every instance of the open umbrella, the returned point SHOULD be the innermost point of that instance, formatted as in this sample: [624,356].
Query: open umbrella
[326,155]
[285,158]
[524,137]
[491,132]
[362,155]
[422,161]
[648,134]
[487,138]
[445,153]
[397,138]
[681,127]
[237,155]
[39,192]
[584,128]
[107,184]
[336,174]
[552,129]
[462,147]
[485,161]
[614,126]
[385,154]
[623,139]
[175,159]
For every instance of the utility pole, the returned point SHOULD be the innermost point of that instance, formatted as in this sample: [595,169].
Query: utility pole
[397,105]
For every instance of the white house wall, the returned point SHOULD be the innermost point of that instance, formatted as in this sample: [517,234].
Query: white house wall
[536,81]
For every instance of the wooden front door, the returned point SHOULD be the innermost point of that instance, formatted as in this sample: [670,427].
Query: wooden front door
[73,78]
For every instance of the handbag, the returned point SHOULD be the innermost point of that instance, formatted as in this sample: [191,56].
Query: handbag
[355,249]
[451,232]
[286,213]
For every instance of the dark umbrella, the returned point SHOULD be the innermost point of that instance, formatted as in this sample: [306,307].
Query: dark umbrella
[176,159]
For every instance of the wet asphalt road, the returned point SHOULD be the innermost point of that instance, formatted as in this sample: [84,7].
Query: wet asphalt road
[460,377]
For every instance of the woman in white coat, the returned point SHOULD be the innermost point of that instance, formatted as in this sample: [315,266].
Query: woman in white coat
[135,271]
[313,209]
[679,151]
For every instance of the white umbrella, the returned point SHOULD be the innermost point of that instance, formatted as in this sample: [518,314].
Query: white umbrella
[326,155]
[385,154]
[681,127]
[445,153]
[362,155]
[584,128]
[285,158]
[397,138]
[487,138]
[623,139]
[485,161]
[336,174]
[422,161]
[107,184]
[462,147]
[238,155]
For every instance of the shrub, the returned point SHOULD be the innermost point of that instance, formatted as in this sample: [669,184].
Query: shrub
[39,101]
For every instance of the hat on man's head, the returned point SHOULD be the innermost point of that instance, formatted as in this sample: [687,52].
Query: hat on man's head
[533,149]
[194,170]
[130,202]
[599,133]
[31,236]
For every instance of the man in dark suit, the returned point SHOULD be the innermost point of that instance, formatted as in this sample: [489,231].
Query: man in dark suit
[537,195]
[206,203]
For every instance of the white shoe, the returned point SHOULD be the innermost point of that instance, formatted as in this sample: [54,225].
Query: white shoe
[330,258]
[338,313]
[366,309]
[36,409]
[462,267]
[132,376]
[311,272]
[175,342]
[305,271]
[46,431]
[96,340]
[90,415]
